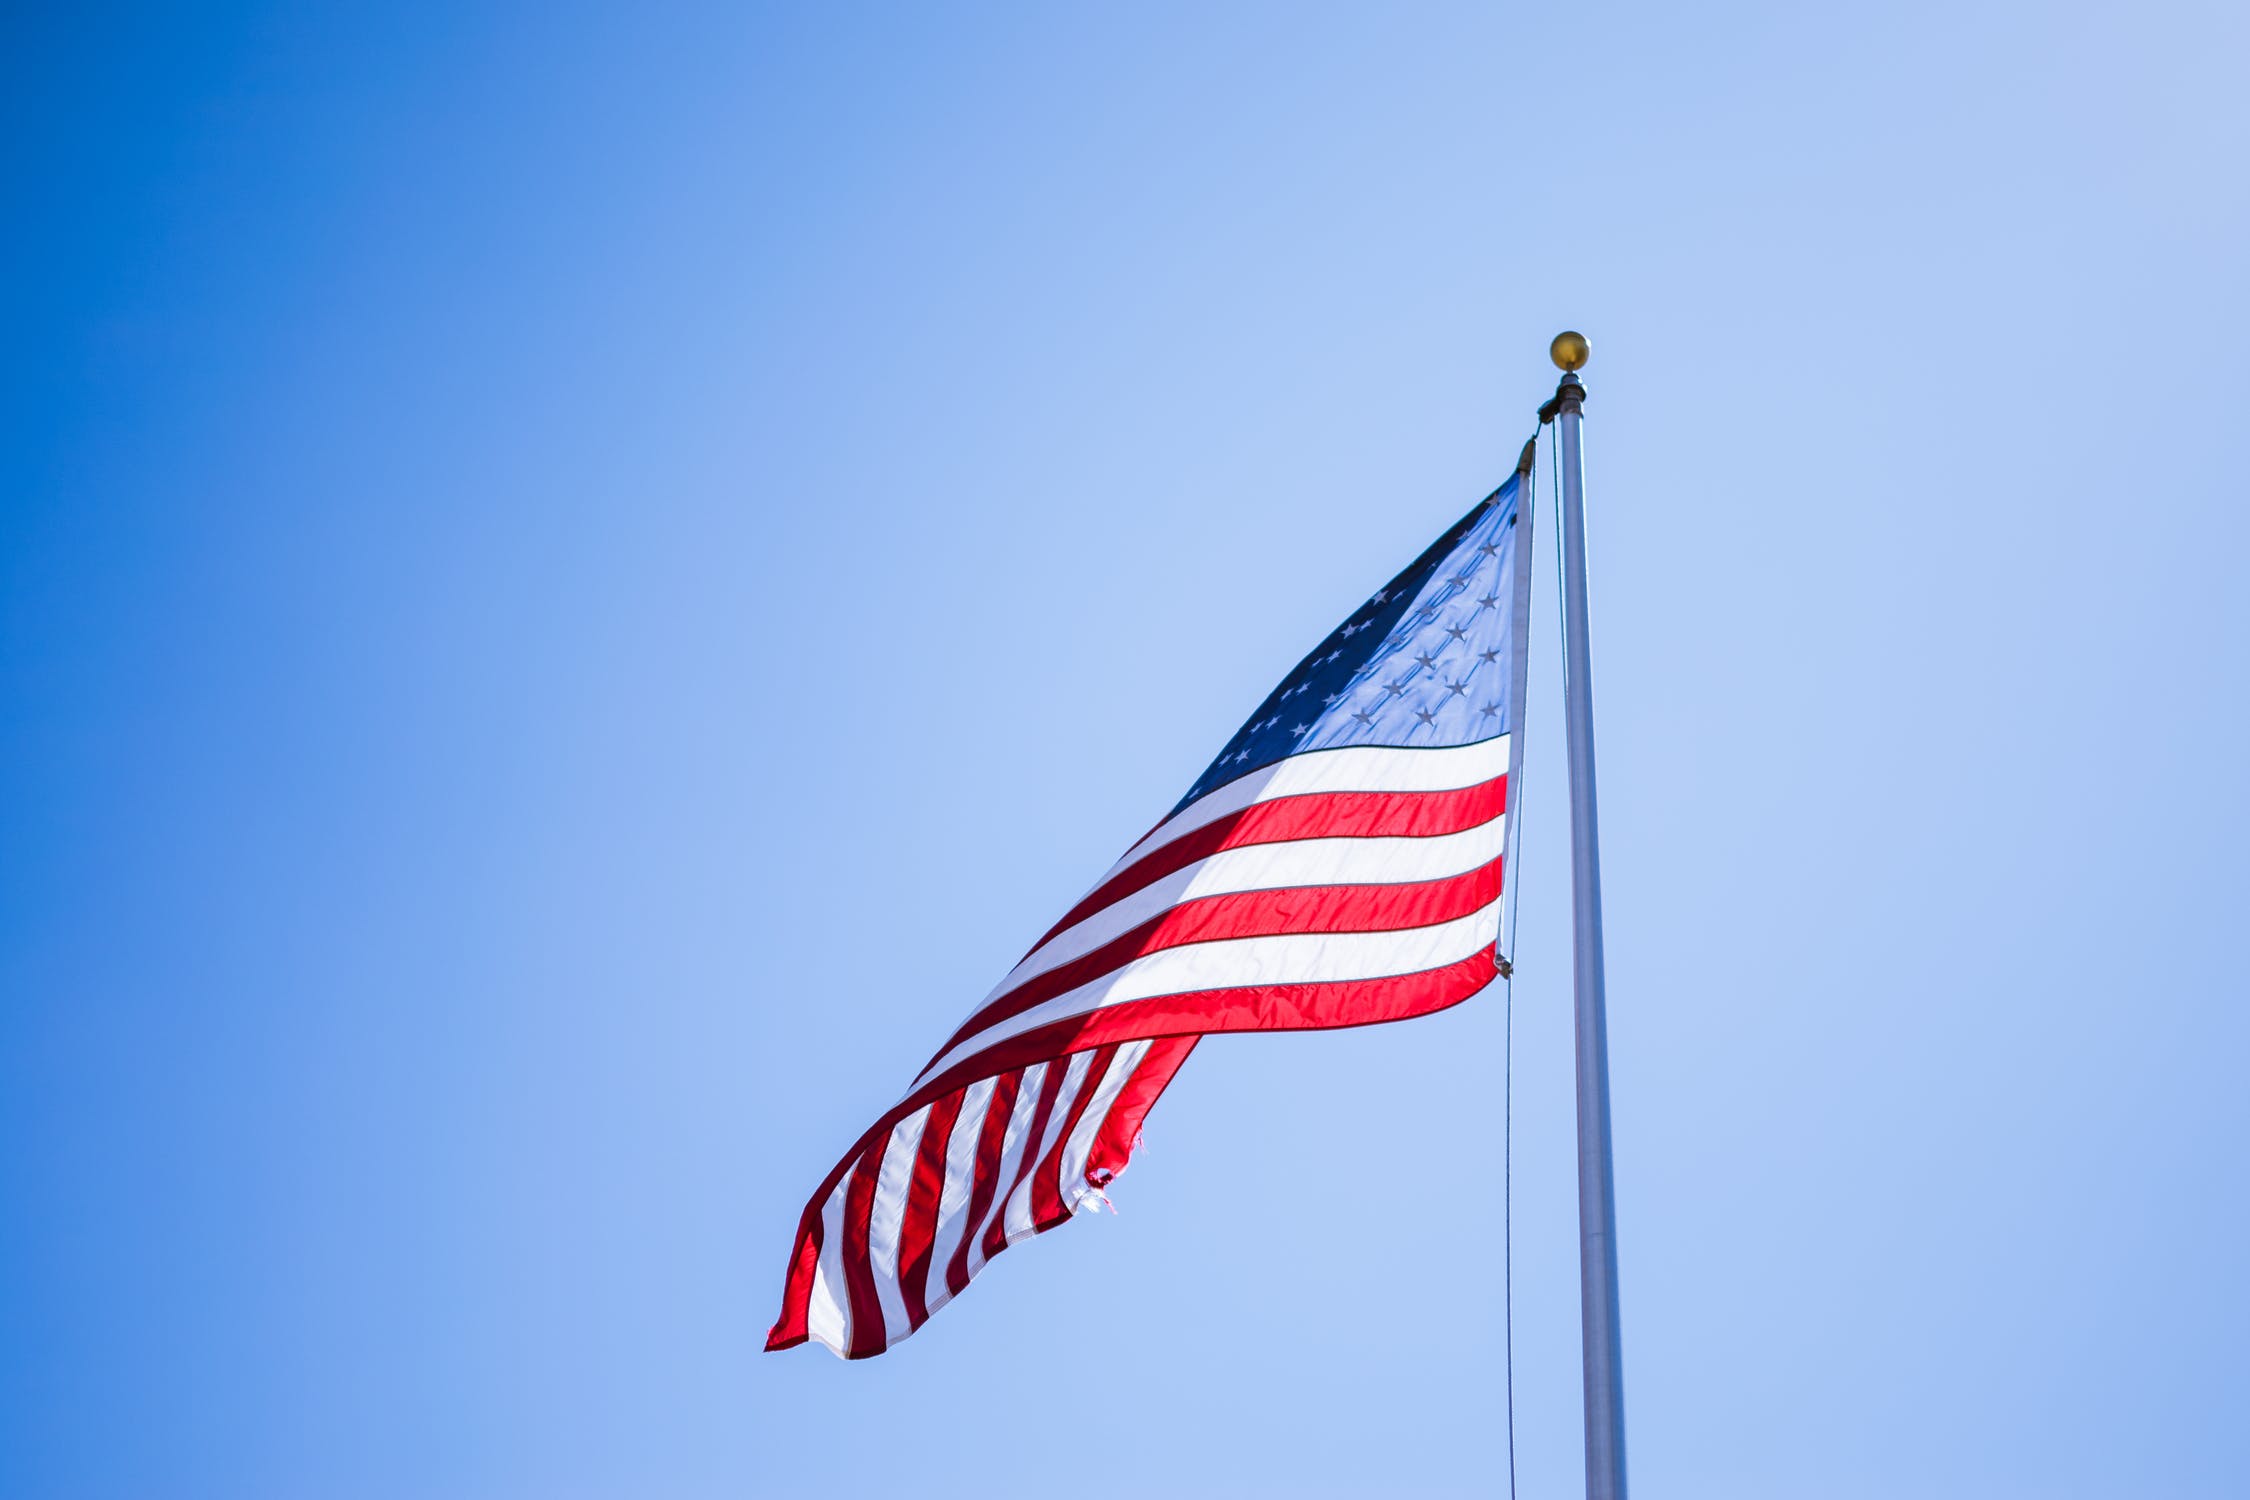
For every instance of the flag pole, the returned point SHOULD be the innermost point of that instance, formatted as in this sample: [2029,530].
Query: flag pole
[1597,1194]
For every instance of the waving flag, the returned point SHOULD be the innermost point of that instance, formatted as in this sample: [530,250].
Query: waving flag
[1338,864]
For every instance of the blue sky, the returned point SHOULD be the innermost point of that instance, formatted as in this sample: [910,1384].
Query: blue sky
[579,581]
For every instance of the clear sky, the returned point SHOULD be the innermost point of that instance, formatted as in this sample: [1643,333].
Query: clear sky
[576,582]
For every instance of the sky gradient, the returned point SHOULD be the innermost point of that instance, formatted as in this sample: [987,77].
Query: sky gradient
[576,583]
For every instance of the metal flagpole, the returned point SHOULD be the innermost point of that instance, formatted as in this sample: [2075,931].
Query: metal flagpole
[1597,1194]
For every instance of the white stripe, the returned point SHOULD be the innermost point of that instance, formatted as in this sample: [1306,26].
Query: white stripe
[1349,768]
[1018,1215]
[1122,1064]
[953,1201]
[1386,860]
[828,1315]
[1290,958]
[1011,1155]
[887,1217]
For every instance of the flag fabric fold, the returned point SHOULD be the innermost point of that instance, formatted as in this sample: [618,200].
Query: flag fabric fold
[1340,863]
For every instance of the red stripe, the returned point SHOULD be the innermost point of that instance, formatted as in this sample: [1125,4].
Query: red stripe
[1175,1018]
[987,1167]
[1314,815]
[859,1278]
[788,1330]
[1047,1205]
[1120,1134]
[1290,909]
[1050,1084]
[1324,1005]
[917,1230]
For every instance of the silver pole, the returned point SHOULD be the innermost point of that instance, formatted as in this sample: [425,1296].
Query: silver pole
[1597,1194]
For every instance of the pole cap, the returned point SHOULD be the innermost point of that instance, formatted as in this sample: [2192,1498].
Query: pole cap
[1570,350]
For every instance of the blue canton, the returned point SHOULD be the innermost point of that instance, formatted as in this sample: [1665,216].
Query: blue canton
[1427,661]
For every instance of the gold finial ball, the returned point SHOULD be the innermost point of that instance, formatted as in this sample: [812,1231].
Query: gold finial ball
[1569,351]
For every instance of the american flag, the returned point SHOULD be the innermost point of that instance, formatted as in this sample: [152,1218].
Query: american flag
[1338,864]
